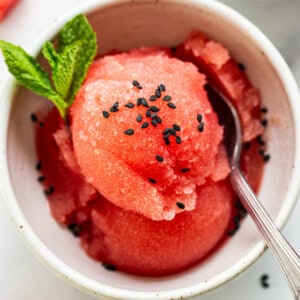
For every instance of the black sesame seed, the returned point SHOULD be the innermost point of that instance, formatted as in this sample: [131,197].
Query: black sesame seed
[158,93]
[152,98]
[158,120]
[34,118]
[247,145]
[261,152]
[265,285]
[114,109]
[176,127]
[38,166]
[145,125]
[105,114]
[109,267]
[264,281]
[154,123]
[144,102]
[264,277]
[41,178]
[148,113]
[50,190]
[199,118]
[266,157]
[167,141]
[264,110]
[139,118]
[201,127]
[129,105]
[264,122]
[171,105]
[154,108]
[152,180]
[167,98]
[129,131]
[184,170]
[260,140]
[162,87]
[180,205]
[173,49]
[135,83]
[154,115]
[159,158]
[75,229]
[241,66]
[139,101]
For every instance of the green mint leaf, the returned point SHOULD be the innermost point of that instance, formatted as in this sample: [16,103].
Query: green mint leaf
[77,47]
[30,74]
[50,54]
[20,63]
[63,66]
[78,29]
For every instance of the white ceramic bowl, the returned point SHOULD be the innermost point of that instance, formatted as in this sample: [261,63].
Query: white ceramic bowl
[123,25]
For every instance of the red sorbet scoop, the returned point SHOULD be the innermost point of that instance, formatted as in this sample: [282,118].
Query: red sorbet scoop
[144,132]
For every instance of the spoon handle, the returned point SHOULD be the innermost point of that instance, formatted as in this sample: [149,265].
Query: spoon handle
[286,256]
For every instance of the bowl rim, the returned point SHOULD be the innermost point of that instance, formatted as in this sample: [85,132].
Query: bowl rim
[94,287]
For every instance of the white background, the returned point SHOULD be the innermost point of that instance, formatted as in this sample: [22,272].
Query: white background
[22,277]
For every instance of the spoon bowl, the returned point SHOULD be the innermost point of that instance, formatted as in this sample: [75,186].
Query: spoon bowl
[230,120]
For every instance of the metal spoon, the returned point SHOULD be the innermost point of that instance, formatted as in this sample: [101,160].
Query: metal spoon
[288,259]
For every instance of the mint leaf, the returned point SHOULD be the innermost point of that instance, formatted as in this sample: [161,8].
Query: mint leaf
[20,63]
[78,29]
[77,47]
[63,66]
[29,73]
[50,54]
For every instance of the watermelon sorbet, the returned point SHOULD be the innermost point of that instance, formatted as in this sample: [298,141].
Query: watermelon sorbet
[140,173]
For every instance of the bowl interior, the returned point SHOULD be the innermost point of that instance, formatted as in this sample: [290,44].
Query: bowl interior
[126,25]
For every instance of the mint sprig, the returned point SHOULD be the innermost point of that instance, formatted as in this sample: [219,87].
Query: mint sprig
[76,49]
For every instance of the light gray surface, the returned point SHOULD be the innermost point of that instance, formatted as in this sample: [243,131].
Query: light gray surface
[22,277]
